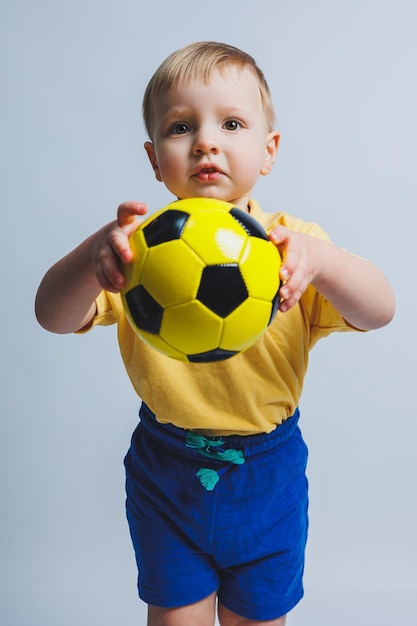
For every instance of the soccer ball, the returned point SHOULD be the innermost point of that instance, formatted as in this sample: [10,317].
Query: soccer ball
[203,284]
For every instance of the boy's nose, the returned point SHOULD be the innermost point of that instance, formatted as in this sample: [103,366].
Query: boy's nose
[205,143]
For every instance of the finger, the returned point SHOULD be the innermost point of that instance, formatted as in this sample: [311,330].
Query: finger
[279,235]
[284,273]
[292,290]
[109,275]
[128,211]
[289,297]
[119,242]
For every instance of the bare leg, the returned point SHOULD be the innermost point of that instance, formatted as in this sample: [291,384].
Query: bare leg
[227,618]
[199,614]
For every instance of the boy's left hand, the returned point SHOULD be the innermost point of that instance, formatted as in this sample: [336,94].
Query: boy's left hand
[353,285]
[297,270]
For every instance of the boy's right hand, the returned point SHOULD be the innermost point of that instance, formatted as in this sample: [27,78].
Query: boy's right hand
[110,245]
[65,300]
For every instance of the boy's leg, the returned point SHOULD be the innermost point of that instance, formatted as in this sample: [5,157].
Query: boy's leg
[227,618]
[201,613]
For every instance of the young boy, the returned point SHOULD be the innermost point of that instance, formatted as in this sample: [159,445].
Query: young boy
[210,119]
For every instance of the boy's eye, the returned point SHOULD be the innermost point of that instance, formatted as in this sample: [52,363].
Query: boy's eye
[179,128]
[232,125]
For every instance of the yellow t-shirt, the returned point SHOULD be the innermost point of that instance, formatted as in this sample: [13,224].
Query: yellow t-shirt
[249,393]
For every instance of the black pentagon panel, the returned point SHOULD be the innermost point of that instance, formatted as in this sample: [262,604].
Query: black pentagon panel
[165,227]
[249,223]
[275,305]
[222,288]
[144,309]
[212,355]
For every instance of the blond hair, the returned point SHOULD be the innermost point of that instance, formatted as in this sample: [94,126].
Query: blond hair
[196,62]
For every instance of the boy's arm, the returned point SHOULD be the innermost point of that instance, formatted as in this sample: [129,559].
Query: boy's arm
[65,301]
[65,298]
[355,287]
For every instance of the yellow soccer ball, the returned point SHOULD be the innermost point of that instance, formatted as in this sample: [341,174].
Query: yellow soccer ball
[203,284]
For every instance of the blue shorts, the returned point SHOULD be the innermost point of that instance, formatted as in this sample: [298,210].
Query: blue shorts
[244,539]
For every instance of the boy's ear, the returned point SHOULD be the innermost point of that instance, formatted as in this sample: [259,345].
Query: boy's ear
[271,149]
[150,151]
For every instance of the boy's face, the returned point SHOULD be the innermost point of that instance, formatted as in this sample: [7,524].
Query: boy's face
[211,140]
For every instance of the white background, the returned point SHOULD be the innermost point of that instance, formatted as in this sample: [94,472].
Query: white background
[343,76]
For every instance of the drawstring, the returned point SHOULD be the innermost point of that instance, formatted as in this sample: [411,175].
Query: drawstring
[212,448]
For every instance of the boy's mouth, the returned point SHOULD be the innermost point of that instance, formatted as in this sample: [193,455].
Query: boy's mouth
[207,173]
